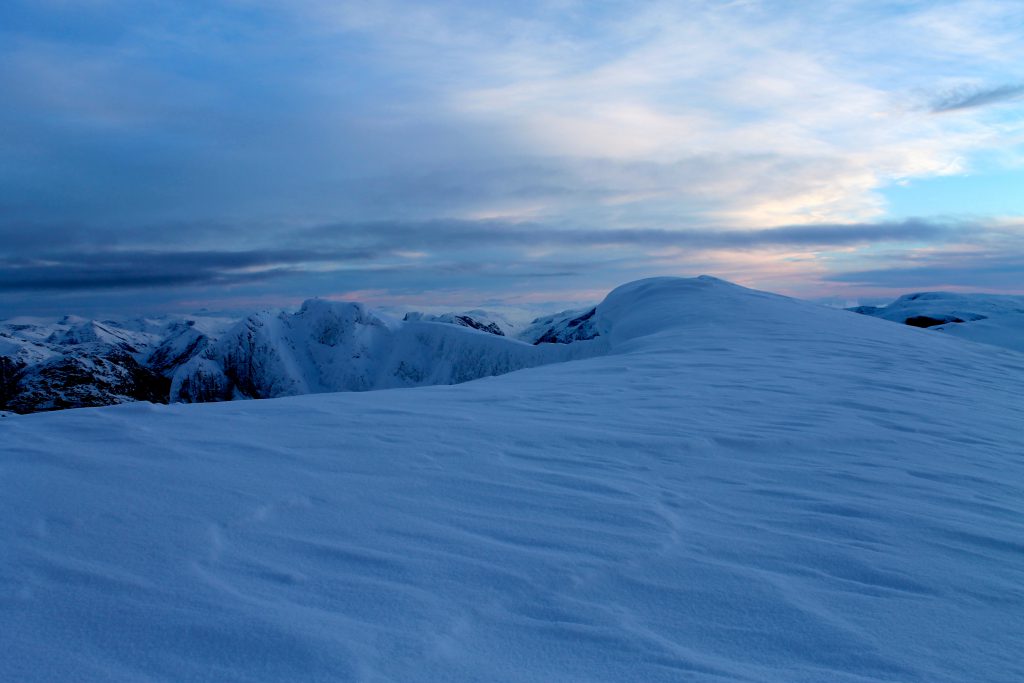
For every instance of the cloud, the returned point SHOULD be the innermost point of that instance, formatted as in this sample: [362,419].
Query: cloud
[756,113]
[969,98]
[454,235]
[190,145]
[130,270]
[962,271]
[492,249]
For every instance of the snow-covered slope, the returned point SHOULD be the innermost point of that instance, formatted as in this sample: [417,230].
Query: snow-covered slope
[183,339]
[70,363]
[325,346]
[484,321]
[74,362]
[89,375]
[746,488]
[565,327]
[986,318]
[328,346]
[562,328]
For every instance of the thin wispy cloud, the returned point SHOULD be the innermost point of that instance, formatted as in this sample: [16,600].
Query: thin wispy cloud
[492,252]
[963,271]
[969,98]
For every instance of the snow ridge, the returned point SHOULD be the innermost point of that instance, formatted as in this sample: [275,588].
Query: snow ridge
[328,346]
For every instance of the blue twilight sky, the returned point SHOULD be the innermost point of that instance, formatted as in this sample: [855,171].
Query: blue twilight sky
[164,155]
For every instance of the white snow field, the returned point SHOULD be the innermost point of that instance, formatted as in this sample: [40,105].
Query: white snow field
[985,318]
[745,488]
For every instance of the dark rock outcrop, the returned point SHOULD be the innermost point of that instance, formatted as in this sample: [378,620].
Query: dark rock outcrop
[928,321]
[83,378]
[565,328]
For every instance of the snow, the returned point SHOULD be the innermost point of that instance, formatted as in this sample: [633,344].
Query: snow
[1006,331]
[742,488]
[486,321]
[328,346]
[48,364]
[561,328]
[985,318]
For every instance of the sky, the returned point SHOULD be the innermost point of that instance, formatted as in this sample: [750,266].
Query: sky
[239,154]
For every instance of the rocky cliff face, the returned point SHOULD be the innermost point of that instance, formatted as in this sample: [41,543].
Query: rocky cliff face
[77,363]
[562,328]
[85,378]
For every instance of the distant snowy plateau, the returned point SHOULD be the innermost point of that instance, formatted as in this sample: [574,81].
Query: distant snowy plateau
[692,481]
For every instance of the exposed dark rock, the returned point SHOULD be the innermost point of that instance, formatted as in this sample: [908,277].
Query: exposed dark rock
[83,378]
[491,328]
[460,319]
[182,343]
[10,373]
[576,327]
[865,310]
[928,321]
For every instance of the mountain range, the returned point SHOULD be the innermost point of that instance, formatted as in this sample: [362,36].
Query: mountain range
[329,346]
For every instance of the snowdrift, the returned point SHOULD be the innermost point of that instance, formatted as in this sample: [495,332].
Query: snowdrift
[743,487]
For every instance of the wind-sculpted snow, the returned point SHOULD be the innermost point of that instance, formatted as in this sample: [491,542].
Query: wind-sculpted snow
[329,347]
[986,318]
[744,488]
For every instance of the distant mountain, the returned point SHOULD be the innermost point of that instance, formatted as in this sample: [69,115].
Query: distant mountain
[562,328]
[325,346]
[484,321]
[986,318]
[328,346]
[75,363]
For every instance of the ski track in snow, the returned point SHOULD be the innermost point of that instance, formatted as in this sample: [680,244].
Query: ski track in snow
[747,489]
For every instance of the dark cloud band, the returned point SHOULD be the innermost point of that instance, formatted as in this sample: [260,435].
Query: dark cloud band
[443,245]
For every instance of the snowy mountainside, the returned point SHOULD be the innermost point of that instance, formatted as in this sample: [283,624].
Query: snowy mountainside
[561,328]
[181,341]
[484,321]
[987,318]
[743,488]
[325,346]
[106,334]
[74,362]
[328,346]
[89,375]
[565,327]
